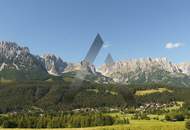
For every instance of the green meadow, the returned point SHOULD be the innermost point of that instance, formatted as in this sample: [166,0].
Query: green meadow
[134,125]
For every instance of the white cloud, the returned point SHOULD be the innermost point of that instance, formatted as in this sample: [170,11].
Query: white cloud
[107,45]
[171,45]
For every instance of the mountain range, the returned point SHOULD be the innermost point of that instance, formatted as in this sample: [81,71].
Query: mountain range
[17,63]
[148,70]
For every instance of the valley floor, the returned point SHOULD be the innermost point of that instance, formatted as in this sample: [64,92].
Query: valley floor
[134,125]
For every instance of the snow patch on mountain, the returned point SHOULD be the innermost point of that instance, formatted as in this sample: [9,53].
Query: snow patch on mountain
[16,66]
[2,66]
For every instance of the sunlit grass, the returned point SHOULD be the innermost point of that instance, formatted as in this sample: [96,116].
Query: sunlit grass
[134,125]
[150,91]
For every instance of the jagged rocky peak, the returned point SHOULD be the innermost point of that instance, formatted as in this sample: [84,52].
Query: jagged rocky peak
[86,66]
[15,57]
[9,45]
[82,66]
[17,62]
[54,64]
[10,49]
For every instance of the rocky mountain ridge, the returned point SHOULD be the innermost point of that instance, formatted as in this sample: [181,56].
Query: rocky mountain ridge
[14,57]
[143,64]
[18,63]
[147,70]
[16,60]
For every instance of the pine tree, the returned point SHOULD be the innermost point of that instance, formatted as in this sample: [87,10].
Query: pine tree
[21,123]
[187,124]
[49,124]
[9,124]
[40,123]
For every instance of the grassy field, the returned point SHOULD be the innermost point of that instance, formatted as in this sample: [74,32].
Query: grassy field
[5,81]
[150,91]
[134,125]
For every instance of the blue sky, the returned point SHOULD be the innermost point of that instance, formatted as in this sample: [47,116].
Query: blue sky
[130,28]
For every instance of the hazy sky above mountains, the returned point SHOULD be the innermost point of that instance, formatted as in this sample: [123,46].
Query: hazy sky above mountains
[129,28]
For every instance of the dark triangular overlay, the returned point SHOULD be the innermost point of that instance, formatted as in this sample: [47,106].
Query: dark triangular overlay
[109,60]
[94,49]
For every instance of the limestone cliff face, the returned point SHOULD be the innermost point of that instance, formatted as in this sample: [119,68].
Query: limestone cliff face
[18,63]
[148,70]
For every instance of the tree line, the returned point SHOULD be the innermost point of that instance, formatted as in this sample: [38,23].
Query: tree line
[58,121]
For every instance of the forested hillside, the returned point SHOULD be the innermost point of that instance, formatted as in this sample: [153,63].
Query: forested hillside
[62,95]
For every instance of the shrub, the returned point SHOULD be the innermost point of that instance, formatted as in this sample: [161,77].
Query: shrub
[179,117]
[9,124]
[175,117]
[167,117]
